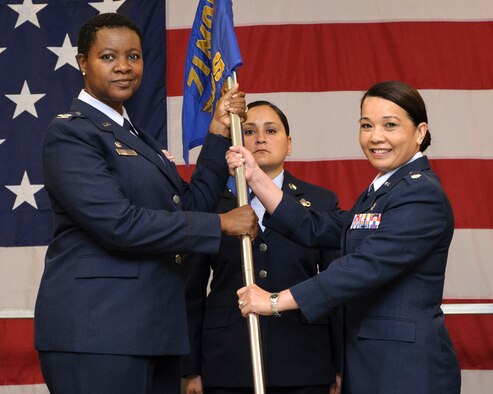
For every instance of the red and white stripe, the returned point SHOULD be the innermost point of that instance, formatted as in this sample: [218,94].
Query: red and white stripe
[315,59]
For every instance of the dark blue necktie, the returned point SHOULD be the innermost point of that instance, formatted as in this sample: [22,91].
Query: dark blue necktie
[128,126]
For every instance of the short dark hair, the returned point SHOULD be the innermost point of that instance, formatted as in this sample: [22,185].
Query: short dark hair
[276,109]
[111,20]
[406,97]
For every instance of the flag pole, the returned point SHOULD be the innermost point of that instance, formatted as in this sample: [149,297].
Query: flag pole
[247,257]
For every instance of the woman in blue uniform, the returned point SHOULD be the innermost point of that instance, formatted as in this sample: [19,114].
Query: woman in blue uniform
[110,313]
[219,334]
[394,245]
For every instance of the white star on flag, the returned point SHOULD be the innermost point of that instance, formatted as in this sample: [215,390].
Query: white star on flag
[2,141]
[25,101]
[2,49]
[107,5]
[27,12]
[25,192]
[66,54]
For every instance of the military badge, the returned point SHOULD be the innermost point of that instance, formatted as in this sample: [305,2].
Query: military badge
[305,203]
[368,221]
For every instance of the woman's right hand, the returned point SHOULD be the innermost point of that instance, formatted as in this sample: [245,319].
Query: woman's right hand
[240,221]
[232,102]
[193,385]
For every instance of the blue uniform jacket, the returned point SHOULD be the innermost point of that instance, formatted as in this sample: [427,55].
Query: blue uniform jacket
[295,352]
[122,217]
[390,279]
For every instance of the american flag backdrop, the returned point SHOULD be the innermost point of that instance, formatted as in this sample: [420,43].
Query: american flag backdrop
[39,78]
[314,59]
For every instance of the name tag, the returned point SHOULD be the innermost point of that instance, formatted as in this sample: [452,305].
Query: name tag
[366,221]
[126,152]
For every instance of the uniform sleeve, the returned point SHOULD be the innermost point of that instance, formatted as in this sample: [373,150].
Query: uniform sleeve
[414,223]
[310,228]
[327,256]
[206,187]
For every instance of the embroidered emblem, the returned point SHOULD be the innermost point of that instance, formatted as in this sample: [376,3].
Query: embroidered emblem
[366,221]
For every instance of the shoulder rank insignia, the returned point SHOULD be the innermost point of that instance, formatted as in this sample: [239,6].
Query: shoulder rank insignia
[118,144]
[416,176]
[305,203]
[64,116]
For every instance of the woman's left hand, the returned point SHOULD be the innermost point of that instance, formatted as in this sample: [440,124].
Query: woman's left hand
[232,101]
[335,388]
[253,299]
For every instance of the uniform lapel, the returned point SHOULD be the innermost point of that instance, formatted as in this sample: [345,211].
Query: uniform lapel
[292,187]
[417,165]
[231,202]
[145,146]
[365,204]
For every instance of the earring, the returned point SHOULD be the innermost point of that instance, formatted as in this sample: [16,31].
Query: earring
[83,73]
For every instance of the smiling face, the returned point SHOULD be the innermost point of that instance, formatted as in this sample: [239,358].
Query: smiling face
[387,136]
[265,136]
[113,67]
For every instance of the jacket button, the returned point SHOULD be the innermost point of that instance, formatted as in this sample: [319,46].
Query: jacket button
[178,259]
[262,274]
[263,247]
[176,199]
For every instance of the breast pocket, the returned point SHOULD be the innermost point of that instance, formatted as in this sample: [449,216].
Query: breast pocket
[103,266]
[358,234]
[388,329]
[354,238]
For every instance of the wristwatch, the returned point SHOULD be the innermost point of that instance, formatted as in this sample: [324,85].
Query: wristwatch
[274,297]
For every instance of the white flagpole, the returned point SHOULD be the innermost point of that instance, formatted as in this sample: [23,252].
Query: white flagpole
[247,257]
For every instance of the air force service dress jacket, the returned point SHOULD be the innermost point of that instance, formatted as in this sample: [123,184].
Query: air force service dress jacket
[295,353]
[111,282]
[390,279]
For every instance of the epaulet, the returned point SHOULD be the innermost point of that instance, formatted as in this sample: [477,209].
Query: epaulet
[69,115]
[414,176]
